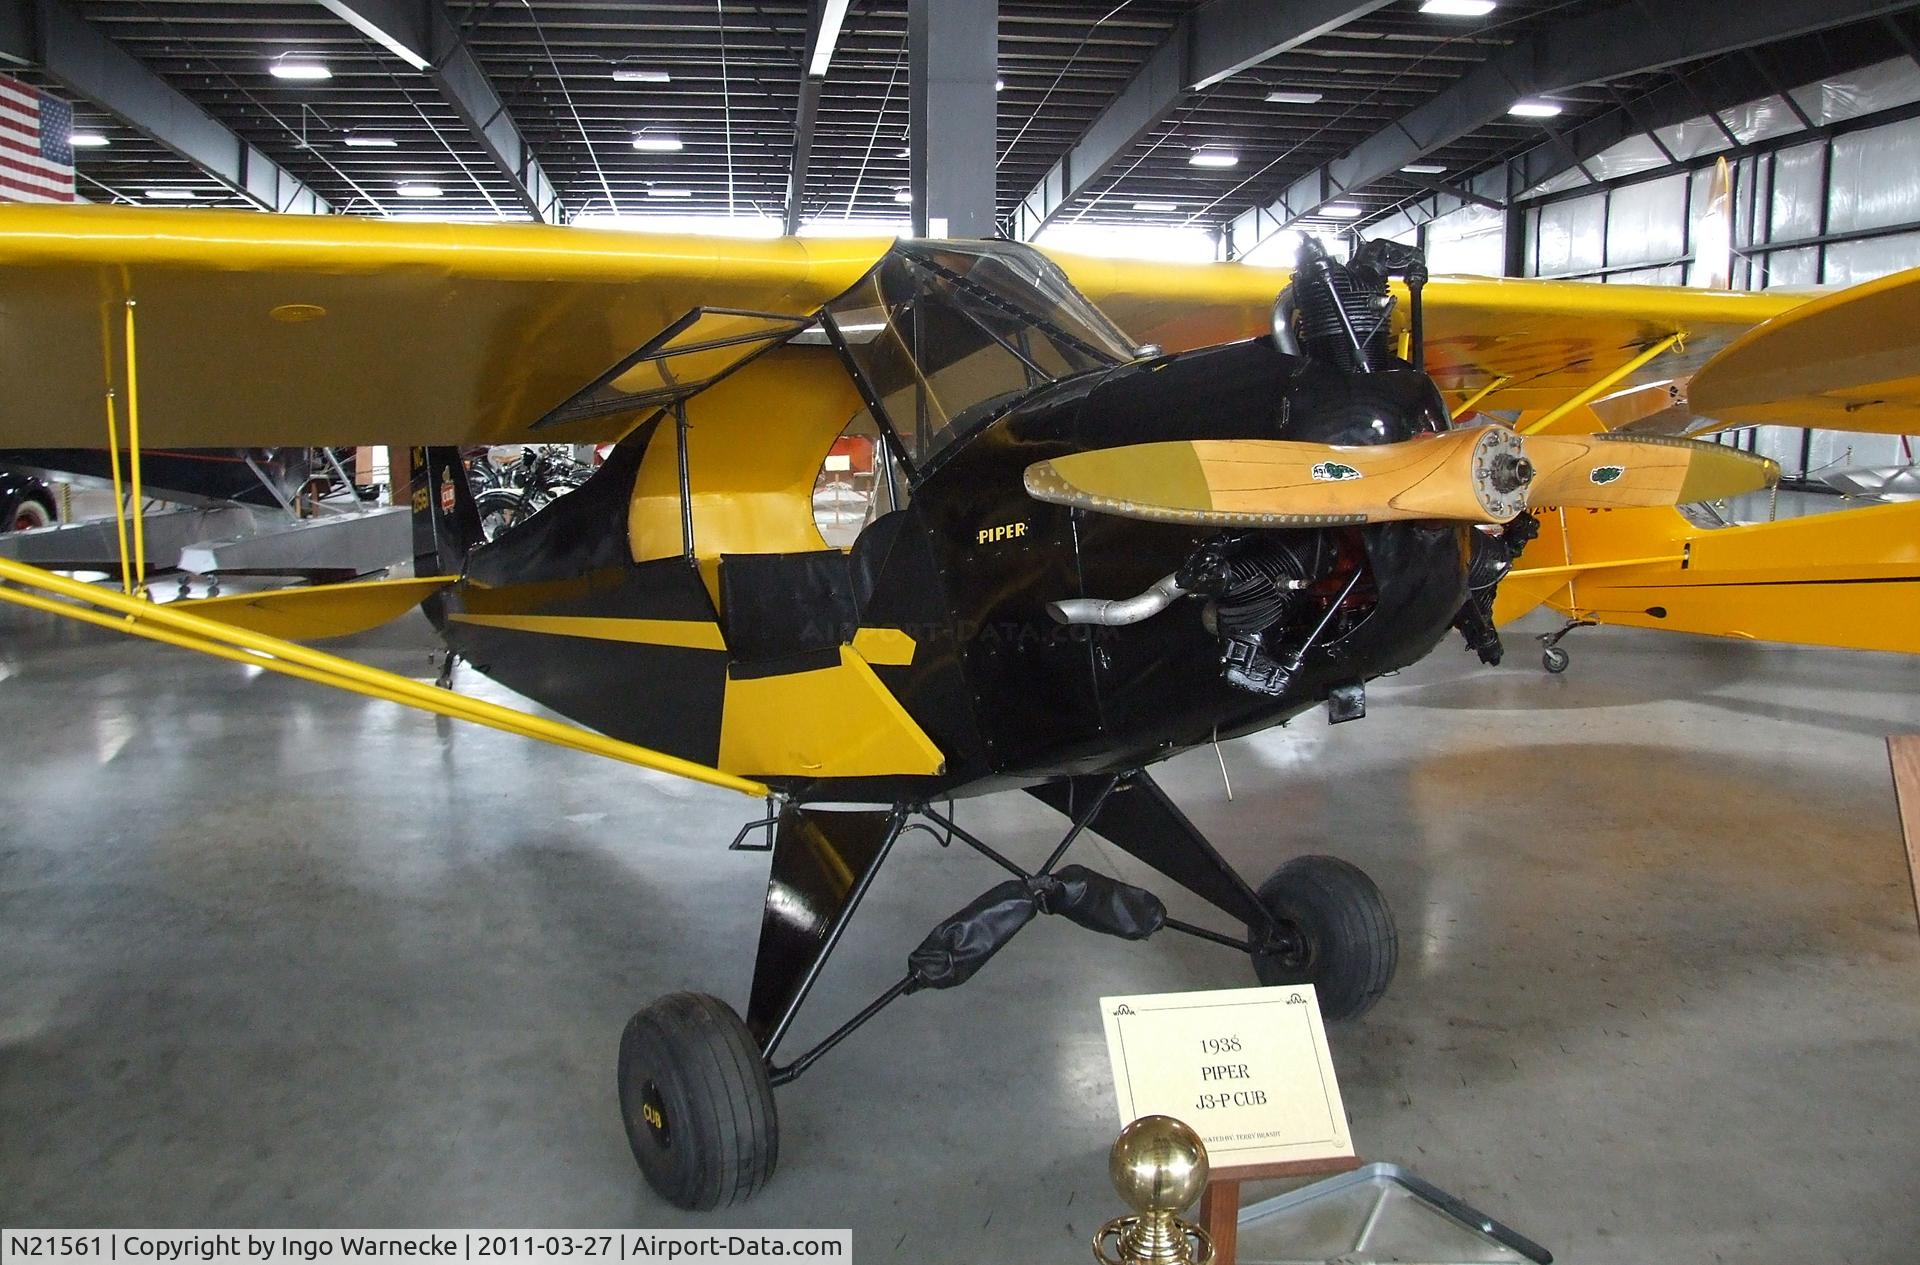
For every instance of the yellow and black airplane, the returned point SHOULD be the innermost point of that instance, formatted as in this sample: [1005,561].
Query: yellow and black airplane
[1126,509]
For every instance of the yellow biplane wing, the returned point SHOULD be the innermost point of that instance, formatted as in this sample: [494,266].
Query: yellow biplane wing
[1846,361]
[261,330]
[1516,344]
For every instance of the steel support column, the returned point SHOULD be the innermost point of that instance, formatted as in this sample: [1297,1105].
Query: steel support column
[804,118]
[825,20]
[953,60]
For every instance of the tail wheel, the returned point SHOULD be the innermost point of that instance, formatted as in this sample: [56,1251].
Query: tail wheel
[1554,660]
[697,1103]
[1344,941]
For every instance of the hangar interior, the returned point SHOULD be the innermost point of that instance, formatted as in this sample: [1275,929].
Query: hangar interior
[277,955]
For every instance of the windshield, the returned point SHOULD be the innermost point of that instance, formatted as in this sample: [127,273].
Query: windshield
[947,334]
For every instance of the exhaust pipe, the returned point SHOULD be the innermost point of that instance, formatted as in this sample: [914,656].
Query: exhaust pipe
[1118,612]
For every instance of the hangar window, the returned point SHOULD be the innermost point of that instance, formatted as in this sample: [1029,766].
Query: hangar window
[947,334]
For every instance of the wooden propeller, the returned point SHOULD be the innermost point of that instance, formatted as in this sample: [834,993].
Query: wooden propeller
[1485,474]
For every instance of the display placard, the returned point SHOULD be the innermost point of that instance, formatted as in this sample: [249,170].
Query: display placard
[1248,1069]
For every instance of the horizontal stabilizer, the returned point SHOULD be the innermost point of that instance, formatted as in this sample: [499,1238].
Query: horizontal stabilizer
[1485,474]
[318,611]
[1850,578]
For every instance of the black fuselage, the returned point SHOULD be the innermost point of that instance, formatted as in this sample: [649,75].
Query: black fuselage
[1010,696]
[1047,699]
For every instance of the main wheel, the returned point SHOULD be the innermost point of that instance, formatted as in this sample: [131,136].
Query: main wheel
[1343,941]
[1555,660]
[697,1103]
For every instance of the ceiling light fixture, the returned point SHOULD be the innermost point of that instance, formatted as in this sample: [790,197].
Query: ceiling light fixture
[634,74]
[1156,206]
[999,85]
[1213,158]
[831,19]
[87,140]
[1341,211]
[419,189]
[658,144]
[1534,109]
[669,193]
[298,68]
[357,141]
[903,195]
[171,195]
[1459,8]
[1424,169]
[1291,97]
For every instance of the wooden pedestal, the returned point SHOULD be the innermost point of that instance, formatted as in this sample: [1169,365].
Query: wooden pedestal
[1903,752]
[1220,1204]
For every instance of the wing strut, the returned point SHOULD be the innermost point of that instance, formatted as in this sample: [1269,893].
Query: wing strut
[1595,390]
[121,613]
[1467,405]
[133,561]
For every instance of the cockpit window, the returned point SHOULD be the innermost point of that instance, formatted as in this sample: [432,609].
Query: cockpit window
[947,334]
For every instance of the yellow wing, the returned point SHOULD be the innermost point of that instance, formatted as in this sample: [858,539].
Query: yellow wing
[304,330]
[1535,343]
[1846,361]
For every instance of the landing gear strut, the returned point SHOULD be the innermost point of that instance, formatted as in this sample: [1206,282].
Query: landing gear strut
[1552,657]
[696,1079]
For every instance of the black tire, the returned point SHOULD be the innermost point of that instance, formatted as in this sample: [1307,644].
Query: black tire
[499,510]
[697,1103]
[27,513]
[1555,660]
[1347,945]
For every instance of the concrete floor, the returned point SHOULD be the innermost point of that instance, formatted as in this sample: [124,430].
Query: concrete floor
[272,955]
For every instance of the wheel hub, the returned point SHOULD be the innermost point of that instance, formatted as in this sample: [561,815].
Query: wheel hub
[653,1112]
[1287,946]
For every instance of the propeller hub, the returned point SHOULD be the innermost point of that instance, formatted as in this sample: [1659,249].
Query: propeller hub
[1511,472]
[1501,471]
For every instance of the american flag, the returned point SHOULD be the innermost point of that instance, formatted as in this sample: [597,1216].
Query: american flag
[36,145]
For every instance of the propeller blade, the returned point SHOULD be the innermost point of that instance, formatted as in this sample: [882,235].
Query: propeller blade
[1619,471]
[1485,474]
[1475,476]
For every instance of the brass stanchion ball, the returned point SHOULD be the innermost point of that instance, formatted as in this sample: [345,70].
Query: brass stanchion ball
[1158,1164]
